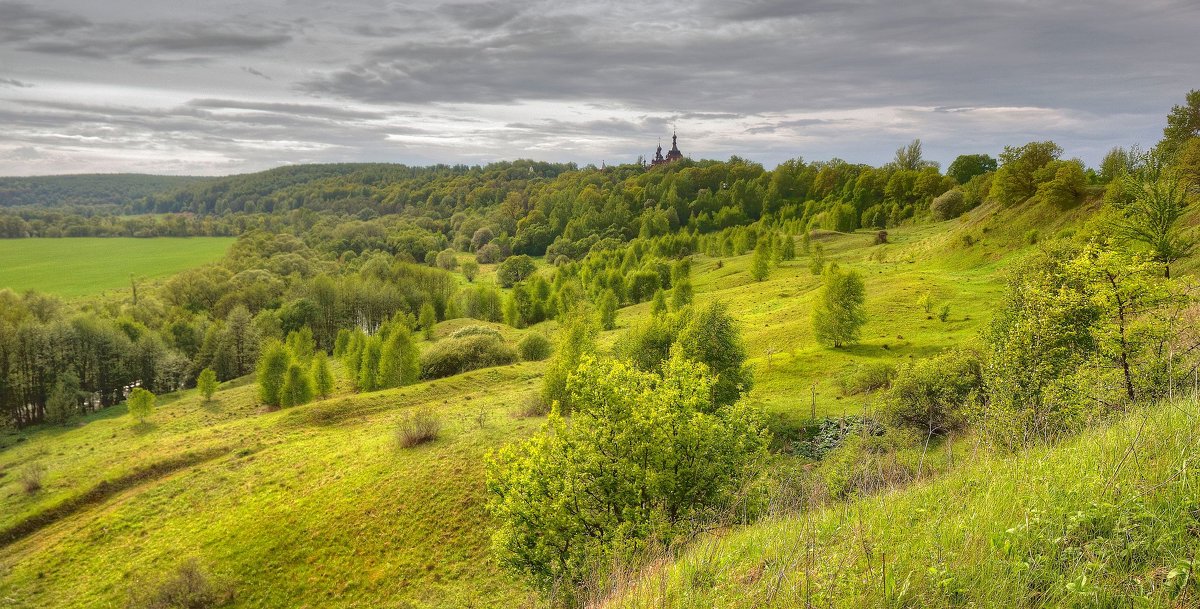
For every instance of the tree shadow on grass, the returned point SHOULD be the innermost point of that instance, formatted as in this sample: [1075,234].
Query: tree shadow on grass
[142,428]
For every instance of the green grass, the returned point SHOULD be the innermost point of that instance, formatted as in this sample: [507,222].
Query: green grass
[1099,521]
[317,506]
[85,266]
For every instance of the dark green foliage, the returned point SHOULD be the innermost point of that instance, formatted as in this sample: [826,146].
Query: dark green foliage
[967,166]
[1019,174]
[63,402]
[457,355]
[514,270]
[711,336]
[831,433]
[535,347]
[1183,123]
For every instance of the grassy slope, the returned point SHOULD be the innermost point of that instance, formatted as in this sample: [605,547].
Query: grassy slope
[1100,521]
[85,266]
[314,506]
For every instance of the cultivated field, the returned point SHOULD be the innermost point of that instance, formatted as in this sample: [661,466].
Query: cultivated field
[84,266]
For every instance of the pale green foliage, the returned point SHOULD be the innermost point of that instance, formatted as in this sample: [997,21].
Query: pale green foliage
[925,301]
[140,404]
[576,338]
[399,359]
[948,205]
[322,376]
[1183,123]
[760,266]
[644,459]
[301,344]
[206,383]
[535,347]
[711,336]
[682,294]
[368,368]
[470,269]
[608,310]
[272,367]
[839,314]
[297,386]
[427,319]
[816,262]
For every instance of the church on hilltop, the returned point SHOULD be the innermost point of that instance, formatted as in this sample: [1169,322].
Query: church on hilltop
[672,155]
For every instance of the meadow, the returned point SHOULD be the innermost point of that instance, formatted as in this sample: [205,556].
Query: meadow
[87,266]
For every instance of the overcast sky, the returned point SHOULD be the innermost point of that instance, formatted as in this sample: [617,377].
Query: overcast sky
[222,86]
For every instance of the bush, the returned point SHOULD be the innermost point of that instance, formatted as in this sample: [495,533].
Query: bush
[488,254]
[534,406]
[881,237]
[949,205]
[457,355]
[865,463]
[534,347]
[31,477]
[187,588]
[466,331]
[832,433]
[934,394]
[418,426]
[514,270]
[866,379]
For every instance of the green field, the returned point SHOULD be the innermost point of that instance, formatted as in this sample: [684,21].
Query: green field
[83,266]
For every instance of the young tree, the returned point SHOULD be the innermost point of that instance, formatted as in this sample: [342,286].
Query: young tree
[206,383]
[63,402]
[608,310]
[300,343]
[682,294]
[816,264]
[322,376]
[272,368]
[399,360]
[514,270]
[470,269]
[760,266]
[839,315]
[711,336]
[1018,176]
[297,387]
[967,166]
[368,370]
[1156,202]
[658,304]
[140,404]
[427,320]
[1183,123]
[645,458]
[576,338]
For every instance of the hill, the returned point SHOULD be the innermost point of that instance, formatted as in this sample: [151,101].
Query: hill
[86,190]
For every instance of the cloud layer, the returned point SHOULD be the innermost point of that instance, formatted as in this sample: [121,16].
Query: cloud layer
[221,86]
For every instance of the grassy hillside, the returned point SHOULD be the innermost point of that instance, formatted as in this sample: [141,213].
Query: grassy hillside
[316,505]
[86,266]
[1106,520]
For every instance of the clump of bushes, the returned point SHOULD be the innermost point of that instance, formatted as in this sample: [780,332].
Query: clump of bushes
[457,355]
[31,477]
[948,205]
[935,394]
[534,347]
[188,588]
[868,378]
[418,426]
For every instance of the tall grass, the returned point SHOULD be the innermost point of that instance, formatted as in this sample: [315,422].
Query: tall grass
[1109,519]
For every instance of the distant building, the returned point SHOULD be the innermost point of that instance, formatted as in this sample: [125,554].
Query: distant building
[672,155]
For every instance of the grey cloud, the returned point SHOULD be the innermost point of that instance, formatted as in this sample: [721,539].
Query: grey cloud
[12,82]
[481,15]
[254,72]
[20,21]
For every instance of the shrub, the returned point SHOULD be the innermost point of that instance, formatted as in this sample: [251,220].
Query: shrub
[457,355]
[881,237]
[934,394]
[466,331]
[868,378]
[447,260]
[865,464]
[832,433]
[534,405]
[470,269]
[534,347]
[488,254]
[948,205]
[297,386]
[418,426]
[188,588]
[31,477]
